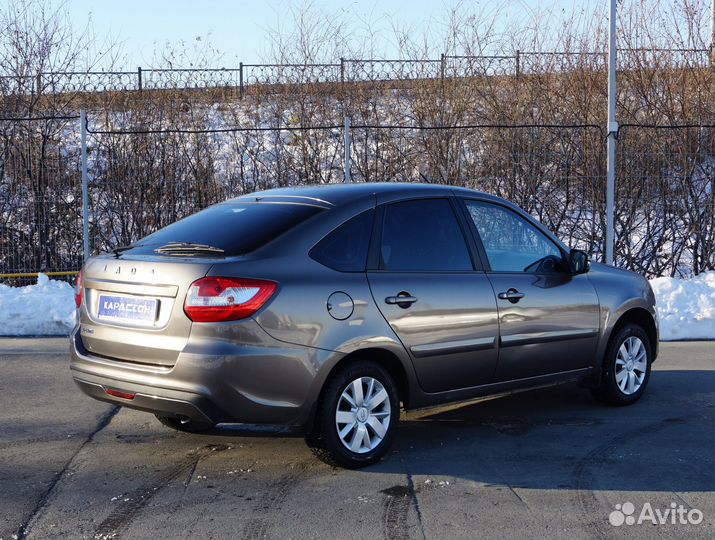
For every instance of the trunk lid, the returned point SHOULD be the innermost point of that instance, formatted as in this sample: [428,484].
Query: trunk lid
[133,306]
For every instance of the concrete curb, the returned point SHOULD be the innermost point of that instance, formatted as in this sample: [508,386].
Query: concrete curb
[34,345]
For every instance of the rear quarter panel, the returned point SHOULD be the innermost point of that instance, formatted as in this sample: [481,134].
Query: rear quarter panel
[299,315]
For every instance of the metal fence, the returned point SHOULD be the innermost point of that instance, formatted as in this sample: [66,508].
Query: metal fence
[139,182]
[665,198]
[147,167]
[240,78]
[40,197]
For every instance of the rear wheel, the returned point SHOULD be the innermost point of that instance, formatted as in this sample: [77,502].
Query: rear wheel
[626,367]
[357,416]
[184,424]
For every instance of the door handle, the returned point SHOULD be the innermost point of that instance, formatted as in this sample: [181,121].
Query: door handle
[512,295]
[403,299]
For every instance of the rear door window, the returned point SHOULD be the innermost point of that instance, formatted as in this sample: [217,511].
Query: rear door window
[345,249]
[423,235]
[235,227]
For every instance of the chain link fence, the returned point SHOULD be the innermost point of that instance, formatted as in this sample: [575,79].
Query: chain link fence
[156,157]
[665,199]
[139,182]
[40,196]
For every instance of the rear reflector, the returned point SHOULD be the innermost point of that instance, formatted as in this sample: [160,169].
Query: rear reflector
[216,299]
[117,393]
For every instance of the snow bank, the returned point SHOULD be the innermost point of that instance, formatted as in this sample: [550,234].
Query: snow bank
[686,307]
[44,309]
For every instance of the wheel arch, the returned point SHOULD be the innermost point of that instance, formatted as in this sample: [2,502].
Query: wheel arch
[384,357]
[633,314]
[642,318]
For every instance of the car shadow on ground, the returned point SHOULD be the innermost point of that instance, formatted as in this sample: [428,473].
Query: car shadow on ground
[561,438]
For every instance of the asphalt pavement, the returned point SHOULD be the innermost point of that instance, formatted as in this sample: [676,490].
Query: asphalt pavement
[545,463]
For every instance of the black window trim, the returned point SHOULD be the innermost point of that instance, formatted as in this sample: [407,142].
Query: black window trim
[480,245]
[374,258]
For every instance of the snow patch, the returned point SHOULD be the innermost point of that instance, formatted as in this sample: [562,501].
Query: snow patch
[686,307]
[44,309]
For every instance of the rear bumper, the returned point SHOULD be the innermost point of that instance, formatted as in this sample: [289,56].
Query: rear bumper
[264,382]
[181,404]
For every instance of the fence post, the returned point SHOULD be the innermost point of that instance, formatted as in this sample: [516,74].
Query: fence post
[240,80]
[39,83]
[442,62]
[347,178]
[712,33]
[139,78]
[612,133]
[85,186]
[518,63]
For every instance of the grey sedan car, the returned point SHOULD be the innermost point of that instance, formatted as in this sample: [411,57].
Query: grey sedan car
[330,308]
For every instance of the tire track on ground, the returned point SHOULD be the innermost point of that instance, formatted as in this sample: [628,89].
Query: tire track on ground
[583,478]
[34,440]
[26,525]
[135,501]
[272,500]
[396,509]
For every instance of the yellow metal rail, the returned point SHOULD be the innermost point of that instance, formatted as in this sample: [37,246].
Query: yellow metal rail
[34,274]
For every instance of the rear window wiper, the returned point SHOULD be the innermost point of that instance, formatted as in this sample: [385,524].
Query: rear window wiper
[121,249]
[179,248]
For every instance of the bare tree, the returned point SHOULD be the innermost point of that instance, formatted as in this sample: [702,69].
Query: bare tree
[533,103]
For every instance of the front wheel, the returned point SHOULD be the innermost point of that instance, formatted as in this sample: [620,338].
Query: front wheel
[626,368]
[357,416]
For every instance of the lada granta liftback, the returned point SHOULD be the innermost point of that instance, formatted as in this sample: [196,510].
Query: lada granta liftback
[329,308]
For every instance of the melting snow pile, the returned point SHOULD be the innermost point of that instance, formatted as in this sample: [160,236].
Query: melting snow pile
[686,308]
[44,309]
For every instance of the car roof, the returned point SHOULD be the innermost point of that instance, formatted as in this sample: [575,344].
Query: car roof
[334,195]
[338,194]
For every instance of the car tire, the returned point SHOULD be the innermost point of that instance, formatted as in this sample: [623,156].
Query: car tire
[626,367]
[356,417]
[185,425]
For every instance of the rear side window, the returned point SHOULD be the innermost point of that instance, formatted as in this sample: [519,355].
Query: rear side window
[345,249]
[423,235]
[236,228]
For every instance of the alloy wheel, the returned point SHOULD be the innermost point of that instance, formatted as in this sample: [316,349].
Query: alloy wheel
[362,415]
[631,365]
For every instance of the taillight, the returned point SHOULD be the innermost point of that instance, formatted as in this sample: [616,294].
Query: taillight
[78,289]
[215,299]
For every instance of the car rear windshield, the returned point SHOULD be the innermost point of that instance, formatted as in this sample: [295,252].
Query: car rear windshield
[235,228]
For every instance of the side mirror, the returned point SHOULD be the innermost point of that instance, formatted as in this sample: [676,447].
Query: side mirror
[579,262]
